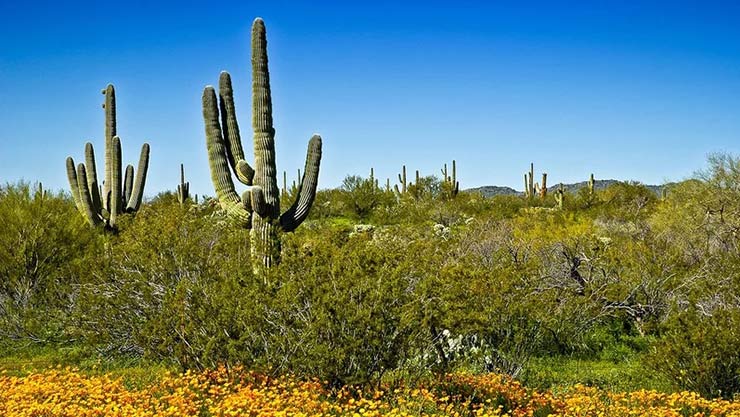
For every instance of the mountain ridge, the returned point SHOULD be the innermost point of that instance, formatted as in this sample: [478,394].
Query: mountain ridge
[493,190]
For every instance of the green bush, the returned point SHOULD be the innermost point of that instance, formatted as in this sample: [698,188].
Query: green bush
[701,352]
[46,250]
[170,278]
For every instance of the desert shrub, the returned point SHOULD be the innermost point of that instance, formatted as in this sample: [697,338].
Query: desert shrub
[326,205]
[46,248]
[338,309]
[171,277]
[362,196]
[701,352]
[627,201]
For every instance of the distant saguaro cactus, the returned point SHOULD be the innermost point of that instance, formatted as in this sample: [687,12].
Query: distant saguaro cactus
[591,183]
[451,185]
[560,196]
[543,188]
[183,189]
[259,206]
[531,188]
[402,181]
[101,205]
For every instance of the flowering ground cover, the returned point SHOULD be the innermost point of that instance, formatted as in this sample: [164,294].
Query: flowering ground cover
[235,392]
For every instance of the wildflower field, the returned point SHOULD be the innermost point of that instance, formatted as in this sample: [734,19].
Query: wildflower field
[235,392]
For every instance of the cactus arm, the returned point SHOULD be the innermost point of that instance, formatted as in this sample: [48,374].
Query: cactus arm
[116,205]
[257,201]
[217,160]
[230,130]
[73,184]
[137,192]
[128,182]
[298,212]
[92,177]
[85,200]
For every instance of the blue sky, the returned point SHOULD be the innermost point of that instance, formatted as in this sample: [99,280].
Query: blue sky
[639,91]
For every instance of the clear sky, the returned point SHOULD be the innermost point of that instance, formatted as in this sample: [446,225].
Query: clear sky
[628,90]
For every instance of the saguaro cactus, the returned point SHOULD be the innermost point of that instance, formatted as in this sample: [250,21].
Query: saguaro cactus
[101,205]
[402,181]
[183,189]
[259,206]
[543,188]
[452,186]
[591,183]
[531,188]
[560,196]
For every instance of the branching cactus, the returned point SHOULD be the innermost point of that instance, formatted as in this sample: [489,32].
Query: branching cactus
[402,181]
[258,208]
[452,186]
[529,190]
[560,196]
[101,205]
[183,189]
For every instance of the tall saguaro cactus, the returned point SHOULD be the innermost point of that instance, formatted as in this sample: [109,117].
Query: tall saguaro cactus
[531,188]
[452,185]
[258,208]
[101,205]
[591,183]
[183,189]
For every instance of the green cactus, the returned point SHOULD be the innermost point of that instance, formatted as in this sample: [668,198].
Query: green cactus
[373,180]
[40,193]
[101,205]
[531,188]
[258,208]
[183,189]
[450,183]
[591,183]
[402,181]
[415,188]
[560,196]
[543,188]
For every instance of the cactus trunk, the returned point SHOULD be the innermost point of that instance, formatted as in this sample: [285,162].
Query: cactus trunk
[543,189]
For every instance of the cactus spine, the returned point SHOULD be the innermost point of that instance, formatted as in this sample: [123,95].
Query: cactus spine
[259,207]
[183,189]
[101,205]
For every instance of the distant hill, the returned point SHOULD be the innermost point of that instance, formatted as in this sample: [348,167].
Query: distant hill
[492,190]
